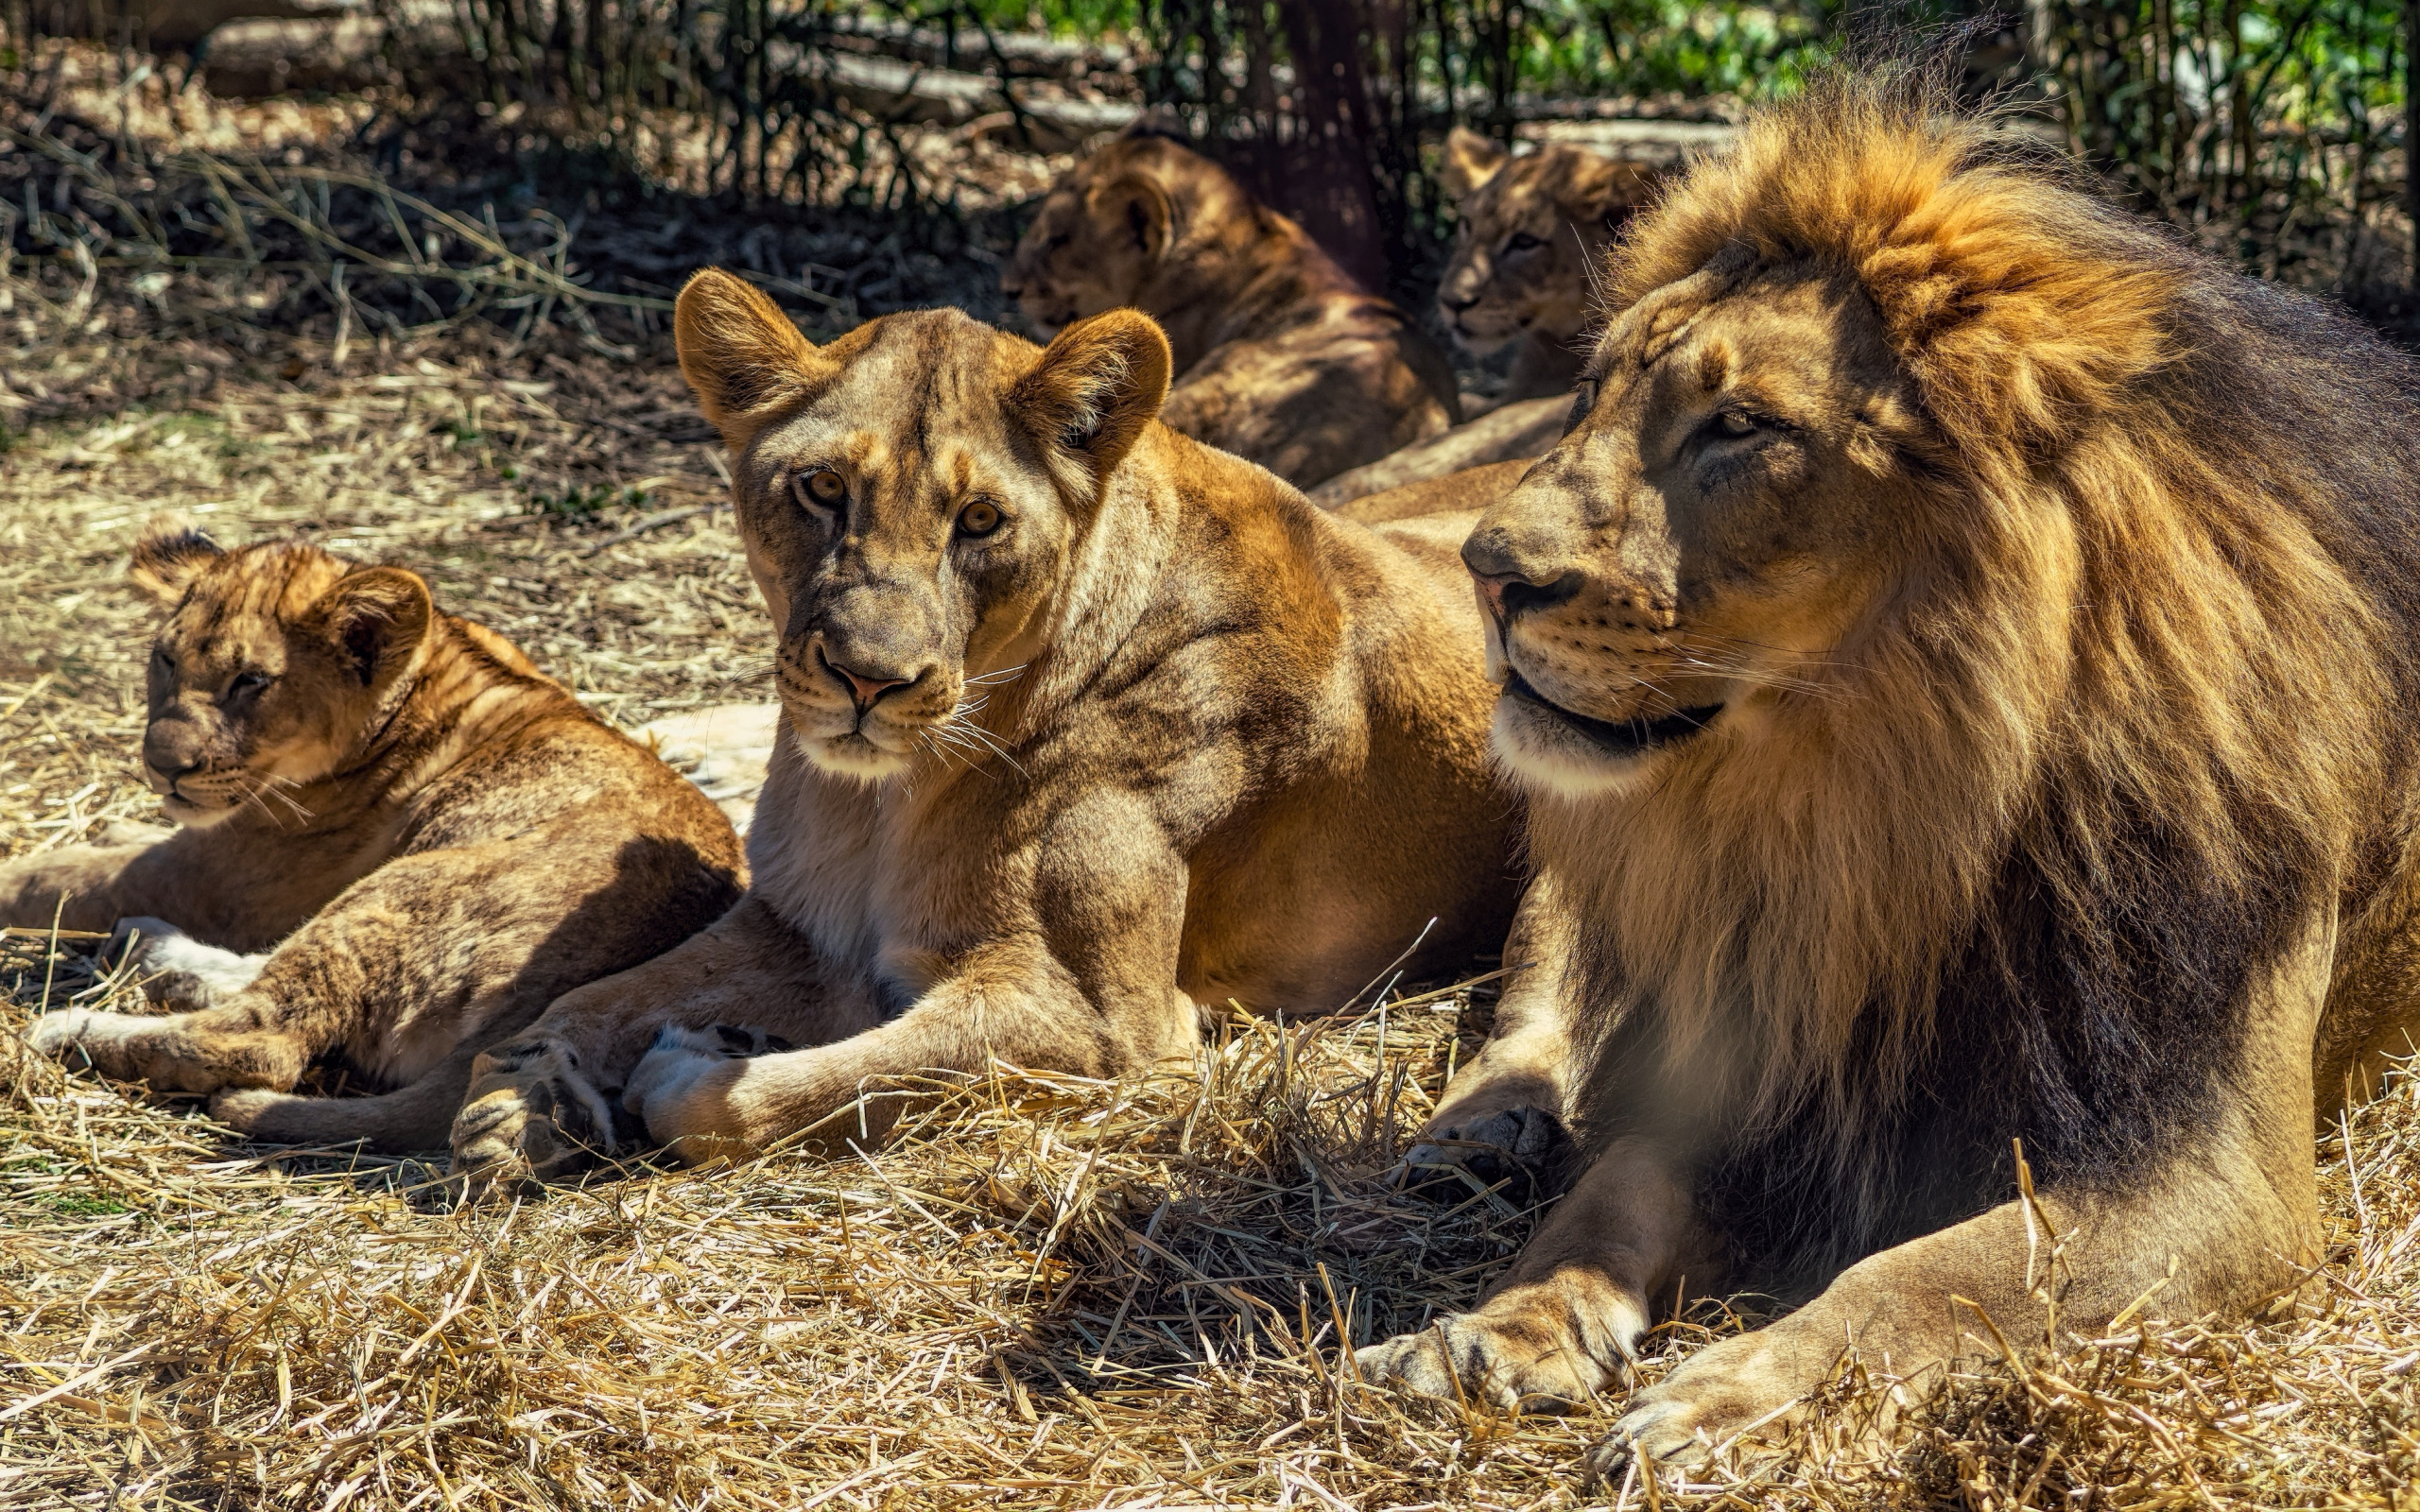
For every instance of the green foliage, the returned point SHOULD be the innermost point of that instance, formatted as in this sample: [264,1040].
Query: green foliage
[575,502]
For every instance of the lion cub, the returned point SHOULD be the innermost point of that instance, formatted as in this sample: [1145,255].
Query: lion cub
[429,839]
[1086,728]
[1280,356]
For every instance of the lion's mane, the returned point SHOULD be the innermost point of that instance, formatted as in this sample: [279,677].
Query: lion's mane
[2137,701]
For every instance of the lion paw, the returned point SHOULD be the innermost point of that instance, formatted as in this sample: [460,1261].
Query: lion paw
[530,1116]
[1508,1365]
[677,1087]
[174,967]
[1734,1387]
[1527,1149]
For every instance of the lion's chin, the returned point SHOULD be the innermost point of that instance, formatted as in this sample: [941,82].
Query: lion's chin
[192,815]
[1551,749]
[854,756]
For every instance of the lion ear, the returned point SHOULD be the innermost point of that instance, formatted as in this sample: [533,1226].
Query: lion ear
[1143,207]
[375,619]
[741,354]
[1096,388]
[1471,160]
[167,557]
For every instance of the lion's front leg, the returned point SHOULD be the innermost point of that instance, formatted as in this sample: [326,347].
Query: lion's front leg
[1564,1325]
[707,1093]
[1507,1112]
[543,1103]
[76,886]
[2232,1228]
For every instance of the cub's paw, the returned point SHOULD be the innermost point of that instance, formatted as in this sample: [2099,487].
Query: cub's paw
[681,1085]
[1527,1149]
[1744,1385]
[529,1116]
[173,967]
[1506,1364]
[59,1034]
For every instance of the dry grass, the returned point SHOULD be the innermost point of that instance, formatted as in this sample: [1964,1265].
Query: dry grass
[1051,1293]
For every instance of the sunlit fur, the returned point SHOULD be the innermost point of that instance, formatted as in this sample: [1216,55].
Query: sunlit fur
[2127,605]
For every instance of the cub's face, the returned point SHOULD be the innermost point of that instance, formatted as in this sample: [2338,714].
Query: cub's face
[1531,231]
[912,499]
[1702,544]
[271,668]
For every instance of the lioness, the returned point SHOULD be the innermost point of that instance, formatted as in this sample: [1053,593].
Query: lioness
[1280,356]
[1531,231]
[429,839]
[1962,663]
[1085,726]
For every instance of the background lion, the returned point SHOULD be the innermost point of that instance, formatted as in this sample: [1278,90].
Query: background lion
[1530,233]
[1280,355]
[1961,662]
[1086,727]
[428,840]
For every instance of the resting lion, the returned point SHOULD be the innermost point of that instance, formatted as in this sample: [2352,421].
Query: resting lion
[1280,356]
[1532,228]
[1087,729]
[1529,232]
[1962,662]
[422,840]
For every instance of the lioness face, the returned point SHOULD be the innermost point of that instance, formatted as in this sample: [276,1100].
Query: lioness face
[272,667]
[1100,234]
[911,499]
[1706,537]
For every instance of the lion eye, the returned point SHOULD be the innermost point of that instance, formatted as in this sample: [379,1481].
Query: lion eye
[1735,423]
[980,518]
[246,682]
[822,488]
[1522,241]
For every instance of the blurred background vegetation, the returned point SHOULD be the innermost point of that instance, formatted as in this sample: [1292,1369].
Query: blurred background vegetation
[2272,131]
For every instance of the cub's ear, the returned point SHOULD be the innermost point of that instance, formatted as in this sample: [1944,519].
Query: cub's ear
[1095,388]
[168,556]
[375,619]
[740,353]
[1141,206]
[1471,160]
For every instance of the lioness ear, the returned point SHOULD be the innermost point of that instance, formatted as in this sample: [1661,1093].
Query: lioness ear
[1096,388]
[739,352]
[1471,160]
[168,556]
[1143,206]
[375,619]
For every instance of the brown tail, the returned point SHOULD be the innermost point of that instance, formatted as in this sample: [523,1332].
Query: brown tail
[418,1117]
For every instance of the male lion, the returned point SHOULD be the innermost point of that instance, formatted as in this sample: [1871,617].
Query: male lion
[1961,661]
[1280,356]
[429,839]
[1086,728]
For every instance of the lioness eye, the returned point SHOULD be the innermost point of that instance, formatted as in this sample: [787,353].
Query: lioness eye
[246,682]
[1735,423]
[1522,241]
[980,518]
[822,488]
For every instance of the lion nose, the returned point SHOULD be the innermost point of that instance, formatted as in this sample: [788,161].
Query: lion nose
[171,752]
[864,689]
[1510,586]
